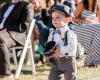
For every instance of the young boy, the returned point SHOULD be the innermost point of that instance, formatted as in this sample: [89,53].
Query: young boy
[65,53]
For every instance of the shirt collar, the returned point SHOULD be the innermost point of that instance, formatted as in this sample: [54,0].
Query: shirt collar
[64,29]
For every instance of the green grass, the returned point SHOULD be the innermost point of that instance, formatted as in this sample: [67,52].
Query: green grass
[84,73]
[42,72]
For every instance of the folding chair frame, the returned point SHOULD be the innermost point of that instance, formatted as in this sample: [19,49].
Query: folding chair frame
[22,58]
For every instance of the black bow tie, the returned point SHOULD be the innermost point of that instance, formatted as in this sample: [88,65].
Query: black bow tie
[57,32]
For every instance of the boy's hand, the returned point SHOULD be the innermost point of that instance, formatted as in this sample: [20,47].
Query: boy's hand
[57,52]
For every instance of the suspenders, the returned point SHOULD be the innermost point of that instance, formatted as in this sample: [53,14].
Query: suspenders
[65,39]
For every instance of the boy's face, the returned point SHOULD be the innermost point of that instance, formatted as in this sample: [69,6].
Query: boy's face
[58,19]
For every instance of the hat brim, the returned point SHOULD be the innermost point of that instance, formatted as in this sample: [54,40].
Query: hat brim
[55,10]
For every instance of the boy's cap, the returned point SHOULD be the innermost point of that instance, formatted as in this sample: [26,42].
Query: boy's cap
[65,10]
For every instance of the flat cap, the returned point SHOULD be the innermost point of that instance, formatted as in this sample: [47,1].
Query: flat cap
[65,10]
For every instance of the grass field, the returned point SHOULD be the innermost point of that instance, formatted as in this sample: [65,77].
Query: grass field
[84,73]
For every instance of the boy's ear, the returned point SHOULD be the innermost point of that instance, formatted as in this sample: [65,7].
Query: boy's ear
[67,19]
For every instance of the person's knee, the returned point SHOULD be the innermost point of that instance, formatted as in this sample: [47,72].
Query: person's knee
[54,76]
[70,76]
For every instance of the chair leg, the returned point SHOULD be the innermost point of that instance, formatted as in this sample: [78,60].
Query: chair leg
[14,56]
[32,58]
[22,58]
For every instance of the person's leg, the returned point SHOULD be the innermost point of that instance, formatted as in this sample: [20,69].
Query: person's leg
[5,43]
[34,34]
[55,71]
[69,68]
[54,74]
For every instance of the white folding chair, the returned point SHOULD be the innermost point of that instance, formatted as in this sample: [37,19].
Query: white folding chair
[27,45]
[14,55]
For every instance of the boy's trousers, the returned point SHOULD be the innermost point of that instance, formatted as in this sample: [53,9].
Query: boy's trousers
[63,65]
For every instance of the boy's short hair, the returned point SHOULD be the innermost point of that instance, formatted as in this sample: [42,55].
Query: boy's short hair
[65,10]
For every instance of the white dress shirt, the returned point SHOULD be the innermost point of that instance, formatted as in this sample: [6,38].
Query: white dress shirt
[6,14]
[71,46]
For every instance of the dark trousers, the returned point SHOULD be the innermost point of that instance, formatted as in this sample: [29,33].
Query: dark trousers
[5,43]
[63,65]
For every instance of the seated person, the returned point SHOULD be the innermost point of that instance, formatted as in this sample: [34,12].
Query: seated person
[15,18]
[88,11]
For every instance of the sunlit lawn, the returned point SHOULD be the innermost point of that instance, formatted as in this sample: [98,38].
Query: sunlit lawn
[84,73]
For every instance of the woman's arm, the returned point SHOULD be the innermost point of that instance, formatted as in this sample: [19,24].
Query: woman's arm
[77,14]
[98,12]
[78,10]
